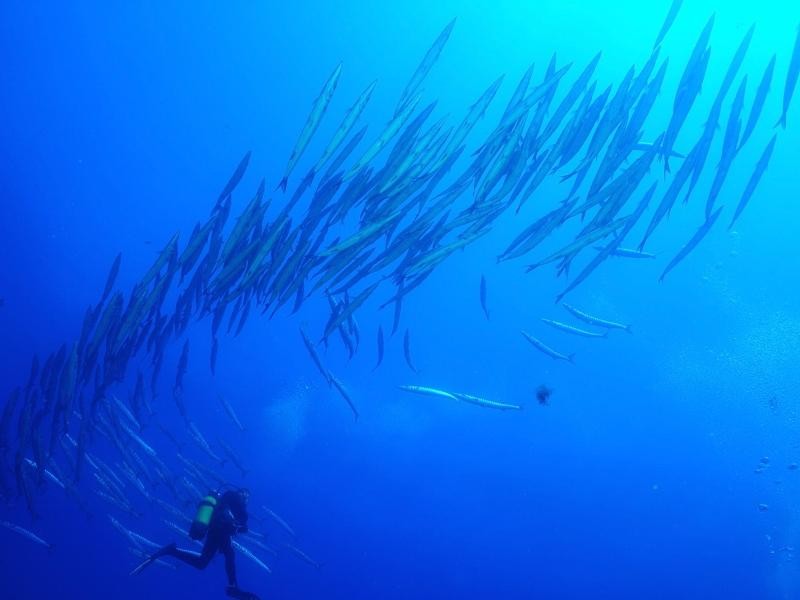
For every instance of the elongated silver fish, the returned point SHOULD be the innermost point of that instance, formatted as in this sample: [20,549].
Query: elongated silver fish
[692,243]
[347,125]
[302,555]
[427,391]
[431,56]
[339,386]
[230,412]
[483,297]
[386,136]
[136,438]
[250,555]
[574,330]
[47,473]
[486,403]
[541,346]
[200,440]
[312,123]
[587,318]
[25,533]
[279,520]
[628,253]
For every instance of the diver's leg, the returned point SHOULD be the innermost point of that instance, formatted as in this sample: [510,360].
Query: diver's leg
[198,561]
[230,565]
[230,568]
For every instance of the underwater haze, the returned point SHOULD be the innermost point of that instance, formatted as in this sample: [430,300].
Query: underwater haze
[646,447]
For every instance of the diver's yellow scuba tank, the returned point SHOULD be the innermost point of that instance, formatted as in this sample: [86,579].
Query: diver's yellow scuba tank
[202,519]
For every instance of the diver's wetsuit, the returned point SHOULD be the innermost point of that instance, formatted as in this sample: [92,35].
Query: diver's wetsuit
[230,517]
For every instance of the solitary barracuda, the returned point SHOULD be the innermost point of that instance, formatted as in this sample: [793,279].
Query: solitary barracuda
[574,330]
[315,116]
[486,403]
[230,412]
[427,391]
[587,318]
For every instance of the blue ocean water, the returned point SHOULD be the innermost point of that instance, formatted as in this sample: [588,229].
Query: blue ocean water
[122,121]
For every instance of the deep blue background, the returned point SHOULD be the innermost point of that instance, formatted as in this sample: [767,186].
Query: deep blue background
[121,122]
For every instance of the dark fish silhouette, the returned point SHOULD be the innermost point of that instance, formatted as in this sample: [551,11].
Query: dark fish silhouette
[730,147]
[380,347]
[668,21]
[692,243]
[483,297]
[407,351]
[112,278]
[758,101]
[234,180]
[761,166]
[791,80]
[312,123]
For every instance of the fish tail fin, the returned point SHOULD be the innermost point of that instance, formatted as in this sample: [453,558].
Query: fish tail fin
[571,358]
[628,329]
[309,177]
[559,297]
[781,122]
[282,184]
[605,333]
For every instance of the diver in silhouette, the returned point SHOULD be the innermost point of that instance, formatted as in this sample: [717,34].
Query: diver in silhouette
[219,517]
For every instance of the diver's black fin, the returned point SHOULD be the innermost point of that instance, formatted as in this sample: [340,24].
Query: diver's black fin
[144,564]
[235,592]
[151,559]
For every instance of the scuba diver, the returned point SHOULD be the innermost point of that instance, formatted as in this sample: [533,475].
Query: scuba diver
[220,515]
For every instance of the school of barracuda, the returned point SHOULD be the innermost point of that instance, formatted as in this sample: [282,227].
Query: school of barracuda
[373,217]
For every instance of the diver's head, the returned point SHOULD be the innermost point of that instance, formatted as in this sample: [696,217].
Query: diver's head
[244,494]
